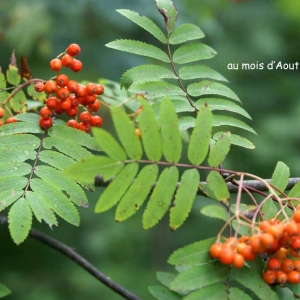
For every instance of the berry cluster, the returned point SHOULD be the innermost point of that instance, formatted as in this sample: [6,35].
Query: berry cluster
[67,96]
[278,240]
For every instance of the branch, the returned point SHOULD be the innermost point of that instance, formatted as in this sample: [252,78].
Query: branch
[71,254]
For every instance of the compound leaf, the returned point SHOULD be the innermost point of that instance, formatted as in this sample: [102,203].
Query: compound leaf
[219,150]
[184,33]
[200,71]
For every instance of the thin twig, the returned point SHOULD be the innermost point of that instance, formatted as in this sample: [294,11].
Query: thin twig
[71,254]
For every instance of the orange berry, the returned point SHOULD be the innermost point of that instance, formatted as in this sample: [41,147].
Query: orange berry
[67,60]
[84,127]
[292,228]
[99,89]
[264,225]
[90,88]
[52,103]
[269,276]
[293,277]
[138,133]
[248,253]
[281,253]
[276,231]
[62,94]
[72,86]
[2,112]
[65,104]
[85,117]
[50,86]
[72,123]
[294,253]
[11,120]
[94,107]
[227,255]
[45,123]
[297,265]
[296,215]
[274,264]
[62,80]
[295,243]
[39,87]
[72,111]
[215,250]
[256,245]
[45,113]
[76,66]
[55,64]
[96,121]
[267,240]
[238,261]
[73,49]
[281,277]
[287,265]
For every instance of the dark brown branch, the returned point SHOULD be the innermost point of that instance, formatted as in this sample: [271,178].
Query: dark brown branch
[71,254]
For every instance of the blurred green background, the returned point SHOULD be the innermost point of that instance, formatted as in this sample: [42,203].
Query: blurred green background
[245,32]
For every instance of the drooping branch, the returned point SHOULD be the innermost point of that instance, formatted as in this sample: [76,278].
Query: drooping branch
[82,262]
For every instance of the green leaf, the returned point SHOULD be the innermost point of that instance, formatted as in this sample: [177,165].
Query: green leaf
[280,176]
[236,140]
[219,150]
[184,198]
[56,200]
[218,185]
[4,290]
[201,136]
[18,102]
[2,80]
[184,33]
[283,292]
[20,127]
[145,73]
[63,183]
[16,154]
[211,88]
[86,170]
[169,12]
[178,104]
[14,169]
[229,121]
[126,133]
[56,159]
[20,141]
[150,133]
[117,188]
[8,197]
[215,211]
[295,191]
[186,123]
[223,105]
[139,48]
[12,75]
[165,278]
[13,183]
[70,134]
[156,89]
[253,281]
[28,117]
[41,209]
[237,294]
[163,293]
[171,140]
[109,144]
[161,197]
[19,220]
[137,193]
[213,292]
[193,52]
[41,97]
[200,71]
[145,23]
[293,287]
[192,254]
[200,276]
[269,209]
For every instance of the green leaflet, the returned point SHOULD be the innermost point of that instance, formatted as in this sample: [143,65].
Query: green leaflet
[193,254]
[219,150]
[200,276]
[178,104]
[213,292]
[200,137]
[211,88]
[14,169]
[41,208]
[184,33]
[117,188]
[218,186]
[12,75]
[109,144]
[184,198]
[86,170]
[269,209]
[139,48]
[294,287]
[20,127]
[126,133]
[137,192]
[163,293]
[66,147]
[2,80]
[156,89]
[70,134]
[193,52]
[169,12]
[252,280]
[222,105]
[237,294]
[229,121]
[27,141]
[63,183]
[165,278]
[161,197]
[145,23]
[58,160]
[16,154]
[41,97]
[19,220]
[18,102]
[215,211]
[4,290]
[28,117]
[56,200]
[236,140]
[200,71]
[8,197]
[13,183]
[186,123]
[171,140]
[280,176]
[150,133]
[145,73]
[295,191]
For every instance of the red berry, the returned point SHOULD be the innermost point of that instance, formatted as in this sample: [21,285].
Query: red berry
[85,117]
[295,244]
[62,93]
[74,100]
[274,264]
[45,113]
[58,109]
[55,64]
[292,228]
[287,265]
[2,112]
[74,50]
[96,121]
[91,88]
[11,120]
[65,104]
[72,123]
[76,66]
[269,276]
[50,86]
[81,92]
[72,111]
[84,127]
[45,123]
[90,99]
[67,60]
[62,80]
[52,103]
[281,277]
[99,89]
[72,86]
[39,87]
[296,215]
[94,107]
